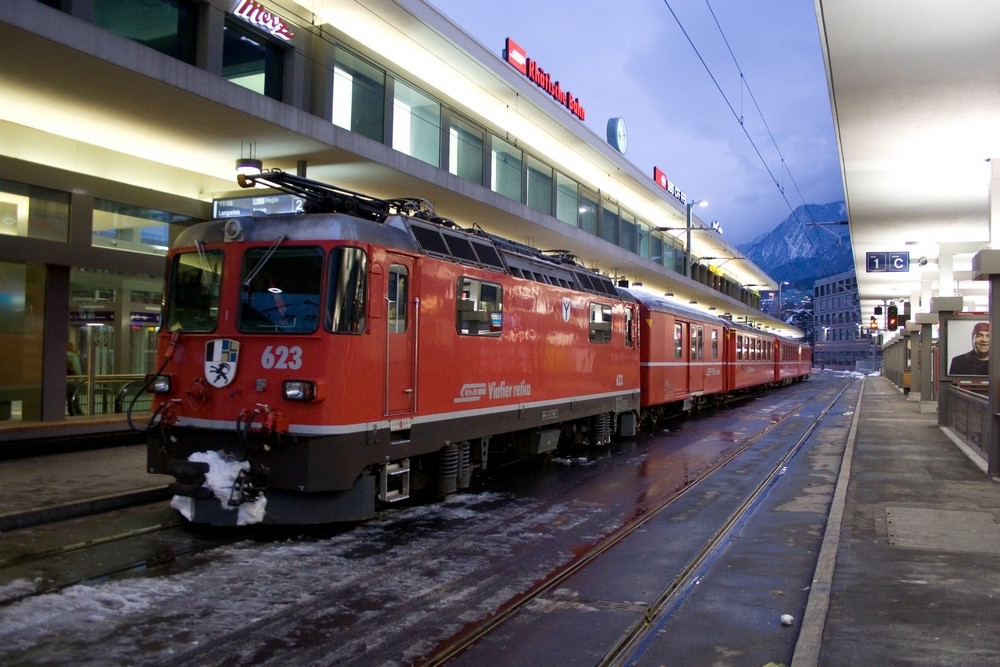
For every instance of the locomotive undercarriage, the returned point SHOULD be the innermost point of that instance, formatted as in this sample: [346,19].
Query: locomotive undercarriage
[309,480]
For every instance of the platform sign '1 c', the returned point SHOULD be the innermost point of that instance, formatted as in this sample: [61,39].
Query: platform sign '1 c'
[879,262]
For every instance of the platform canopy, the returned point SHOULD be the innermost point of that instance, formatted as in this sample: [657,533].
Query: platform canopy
[915,90]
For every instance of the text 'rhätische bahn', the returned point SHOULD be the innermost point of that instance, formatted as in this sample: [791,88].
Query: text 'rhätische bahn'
[312,365]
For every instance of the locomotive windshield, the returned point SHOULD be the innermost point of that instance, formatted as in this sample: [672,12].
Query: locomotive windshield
[279,291]
[193,304]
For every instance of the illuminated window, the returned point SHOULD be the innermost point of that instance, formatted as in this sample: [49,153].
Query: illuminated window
[539,183]
[466,144]
[358,96]
[125,227]
[33,212]
[416,124]
[505,169]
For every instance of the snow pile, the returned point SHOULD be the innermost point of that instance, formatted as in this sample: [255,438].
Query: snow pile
[220,478]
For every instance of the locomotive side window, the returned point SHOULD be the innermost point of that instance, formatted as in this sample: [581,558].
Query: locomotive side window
[193,302]
[348,276]
[600,323]
[398,297]
[479,308]
[678,341]
[279,291]
[629,323]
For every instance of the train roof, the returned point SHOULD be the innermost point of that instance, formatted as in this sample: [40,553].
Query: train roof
[409,225]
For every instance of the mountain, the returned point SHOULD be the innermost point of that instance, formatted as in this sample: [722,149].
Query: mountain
[810,244]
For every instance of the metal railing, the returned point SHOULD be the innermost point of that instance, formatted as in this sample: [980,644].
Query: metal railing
[108,394]
[967,414]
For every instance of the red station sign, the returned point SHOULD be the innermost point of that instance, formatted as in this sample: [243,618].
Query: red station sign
[518,58]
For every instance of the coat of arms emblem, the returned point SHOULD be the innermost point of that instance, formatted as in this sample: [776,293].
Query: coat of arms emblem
[221,356]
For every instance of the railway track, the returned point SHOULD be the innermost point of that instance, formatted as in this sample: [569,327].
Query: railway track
[433,584]
[655,616]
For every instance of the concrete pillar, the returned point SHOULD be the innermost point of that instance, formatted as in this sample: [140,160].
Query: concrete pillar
[986,266]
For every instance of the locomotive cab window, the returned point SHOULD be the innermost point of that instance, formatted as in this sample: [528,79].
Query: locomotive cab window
[479,308]
[193,296]
[600,323]
[398,295]
[279,290]
[345,308]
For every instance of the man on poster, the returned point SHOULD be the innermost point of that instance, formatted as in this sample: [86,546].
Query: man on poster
[977,360]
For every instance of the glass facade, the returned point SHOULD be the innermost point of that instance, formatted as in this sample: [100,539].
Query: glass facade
[505,169]
[22,307]
[33,212]
[168,26]
[466,144]
[539,183]
[358,96]
[251,60]
[126,227]
[416,124]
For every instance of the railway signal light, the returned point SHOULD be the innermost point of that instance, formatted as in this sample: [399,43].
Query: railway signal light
[892,318]
[873,324]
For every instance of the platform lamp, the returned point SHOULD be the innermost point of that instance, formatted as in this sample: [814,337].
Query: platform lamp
[687,244]
[248,163]
[780,283]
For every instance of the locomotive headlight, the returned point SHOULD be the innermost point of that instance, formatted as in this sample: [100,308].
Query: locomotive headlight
[298,390]
[160,384]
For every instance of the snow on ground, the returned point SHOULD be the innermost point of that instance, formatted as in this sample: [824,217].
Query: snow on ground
[151,618]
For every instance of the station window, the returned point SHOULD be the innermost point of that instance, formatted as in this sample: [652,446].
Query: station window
[466,143]
[588,211]
[169,26]
[22,311]
[345,307]
[279,290]
[505,169]
[358,96]
[609,223]
[126,227]
[567,199]
[600,323]
[416,124]
[33,212]
[629,232]
[479,308]
[251,60]
[539,183]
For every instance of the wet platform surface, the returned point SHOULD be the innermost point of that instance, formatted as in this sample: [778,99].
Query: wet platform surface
[908,570]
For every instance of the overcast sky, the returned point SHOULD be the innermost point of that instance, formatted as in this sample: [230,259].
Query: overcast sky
[631,58]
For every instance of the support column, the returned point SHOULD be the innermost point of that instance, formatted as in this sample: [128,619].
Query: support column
[986,266]
[924,360]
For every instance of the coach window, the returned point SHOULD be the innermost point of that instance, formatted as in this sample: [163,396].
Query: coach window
[697,343]
[466,143]
[416,124]
[678,341]
[739,347]
[398,296]
[345,308]
[715,344]
[479,308]
[358,96]
[279,290]
[505,169]
[600,323]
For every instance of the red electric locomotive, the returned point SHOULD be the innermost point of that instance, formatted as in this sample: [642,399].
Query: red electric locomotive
[314,363]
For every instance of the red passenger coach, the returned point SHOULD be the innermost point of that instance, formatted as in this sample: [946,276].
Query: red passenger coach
[311,364]
[749,358]
[682,356]
[792,360]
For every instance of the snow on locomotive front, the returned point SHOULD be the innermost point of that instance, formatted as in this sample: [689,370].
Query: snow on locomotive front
[311,364]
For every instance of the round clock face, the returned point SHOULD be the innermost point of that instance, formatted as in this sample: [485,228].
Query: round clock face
[617,134]
[622,135]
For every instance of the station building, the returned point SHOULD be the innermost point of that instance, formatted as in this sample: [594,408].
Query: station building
[123,122]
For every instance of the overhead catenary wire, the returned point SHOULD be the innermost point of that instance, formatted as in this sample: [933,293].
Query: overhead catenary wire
[738,115]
